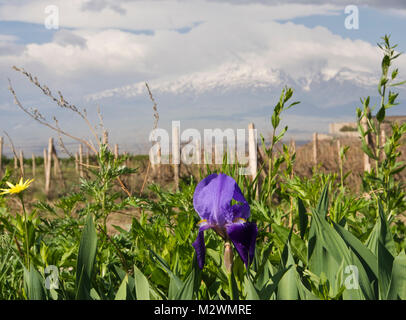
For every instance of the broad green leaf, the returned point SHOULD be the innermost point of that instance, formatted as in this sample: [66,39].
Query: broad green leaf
[356,281]
[234,288]
[86,259]
[269,289]
[328,253]
[94,295]
[322,205]
[250,290]
[287,287]
[298,246]
[191,284]
[175,283]
[367,258]
[385,262]
[381,233]
[34,284]
[122,290]
[141,285]
[397,288]
[304,293]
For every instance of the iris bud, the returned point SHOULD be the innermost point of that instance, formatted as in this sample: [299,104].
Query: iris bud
[228,256]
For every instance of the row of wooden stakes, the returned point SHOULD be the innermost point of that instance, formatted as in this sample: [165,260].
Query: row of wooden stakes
[254,152]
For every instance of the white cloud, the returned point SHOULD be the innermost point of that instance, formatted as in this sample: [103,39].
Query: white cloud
[232,46]
[155,15]
[245,34]
[297,50]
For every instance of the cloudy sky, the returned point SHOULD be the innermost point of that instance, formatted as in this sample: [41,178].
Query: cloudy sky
[209,64]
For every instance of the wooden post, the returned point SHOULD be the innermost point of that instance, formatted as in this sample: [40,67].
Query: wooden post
[315,148]
[176,154]
[1,154]
[252,151]
[155,158]
[21,160]
[252,154]
[87,157]
[198,152]
[55,160]
[218,157]
[80,161]
[116,151]
[33,165]
[367,163]
[159,159]
[57,166]
[49,165]
[383,137]
[45,163]
[76,163]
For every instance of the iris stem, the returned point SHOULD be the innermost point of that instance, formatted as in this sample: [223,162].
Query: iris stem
[230,284]
[228,262]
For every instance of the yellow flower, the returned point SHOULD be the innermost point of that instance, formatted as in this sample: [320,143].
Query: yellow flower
[19,187]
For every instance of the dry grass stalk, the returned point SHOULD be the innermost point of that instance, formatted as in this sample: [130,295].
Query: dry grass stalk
[156,119]
[13,149]
[80,161]
[61,102]
[21,161]
[48,166]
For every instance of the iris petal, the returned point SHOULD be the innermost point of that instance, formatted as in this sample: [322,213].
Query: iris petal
[212,200]
[243,236]
[199,245]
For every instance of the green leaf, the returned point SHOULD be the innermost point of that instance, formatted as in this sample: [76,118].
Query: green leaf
[298,245]
[33,284]
[191,284]
[86,259]
[368,259]
[250,290]
[122,290]
[367,150]
[234,294]
[141,285]
[94,295]
[380,116]
[322,205]
[175,283]
[271,286]
[397,83]
[381,232]
[397,289]
[287,287]
[303,218]
[328,251]
[385,263]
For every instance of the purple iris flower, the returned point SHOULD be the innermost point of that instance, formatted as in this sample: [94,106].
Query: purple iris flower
[212,200]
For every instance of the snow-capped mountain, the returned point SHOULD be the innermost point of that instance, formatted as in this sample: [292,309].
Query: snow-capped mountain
[229,78]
